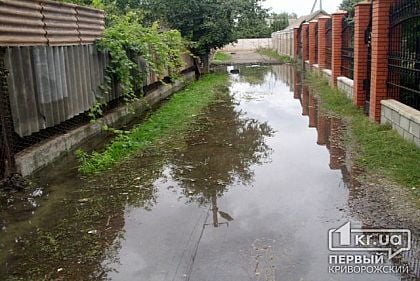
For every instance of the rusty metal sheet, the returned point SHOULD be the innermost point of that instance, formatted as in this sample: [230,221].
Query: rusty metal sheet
[44,22]
[60,21]
[21,23]
[91,23]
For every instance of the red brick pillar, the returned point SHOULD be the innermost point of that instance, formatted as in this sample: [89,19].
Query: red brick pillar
[305,101]
[361,23]
[380,40]
[312,42]
[305,41]
[337,31]
[322,42]
[312,111]
[322,128]
[296,42]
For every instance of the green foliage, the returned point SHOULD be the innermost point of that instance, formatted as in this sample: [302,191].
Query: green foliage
[127,38]
[380,149]
[349,6]
[210,24]
[172,118]
[280,21]
[251,22]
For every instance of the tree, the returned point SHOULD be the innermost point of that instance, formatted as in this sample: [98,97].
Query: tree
[280,21]
[251,22]
[349,6]
[210,24]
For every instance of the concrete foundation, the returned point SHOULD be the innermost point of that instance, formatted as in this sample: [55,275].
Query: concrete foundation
[403,119]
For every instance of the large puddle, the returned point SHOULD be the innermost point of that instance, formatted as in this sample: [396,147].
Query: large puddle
[250,194]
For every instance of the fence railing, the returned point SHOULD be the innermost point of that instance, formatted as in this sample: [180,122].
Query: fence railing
[347,50]
[404,53]
[367,80]
[316,42]
[328,43]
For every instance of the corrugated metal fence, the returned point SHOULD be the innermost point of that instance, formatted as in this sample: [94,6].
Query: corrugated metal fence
[49,85]
[53,70]
[36,22]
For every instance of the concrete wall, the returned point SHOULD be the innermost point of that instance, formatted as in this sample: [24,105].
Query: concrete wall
[326,73]
[283,42]
[404,119]
[345,85]
[249,45]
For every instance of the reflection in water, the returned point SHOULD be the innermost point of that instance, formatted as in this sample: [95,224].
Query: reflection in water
[253,75]
[330,133]
[222,153]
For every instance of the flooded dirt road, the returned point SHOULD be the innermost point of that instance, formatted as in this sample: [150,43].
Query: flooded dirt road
[248,194]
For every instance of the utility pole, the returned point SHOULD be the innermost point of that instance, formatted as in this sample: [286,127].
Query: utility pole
[320,5]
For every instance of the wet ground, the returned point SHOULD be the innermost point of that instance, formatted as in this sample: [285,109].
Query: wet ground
[249,193]
[249,57]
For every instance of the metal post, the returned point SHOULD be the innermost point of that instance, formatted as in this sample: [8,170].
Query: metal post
[7,159]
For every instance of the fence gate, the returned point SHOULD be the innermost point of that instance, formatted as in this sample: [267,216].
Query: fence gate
[347,67]
[404,53]
[366,82]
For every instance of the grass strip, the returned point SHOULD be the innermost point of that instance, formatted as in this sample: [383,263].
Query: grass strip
[173,117]
[379,149]
[274,55]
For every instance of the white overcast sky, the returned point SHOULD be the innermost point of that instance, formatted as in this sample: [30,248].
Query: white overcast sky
[300,7]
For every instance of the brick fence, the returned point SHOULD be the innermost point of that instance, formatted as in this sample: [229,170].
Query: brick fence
[361,59]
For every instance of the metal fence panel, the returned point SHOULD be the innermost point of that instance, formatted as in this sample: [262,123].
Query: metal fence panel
[21,23]
[60,23]
[404,53]
[91,23]
[49,85]
[44,22]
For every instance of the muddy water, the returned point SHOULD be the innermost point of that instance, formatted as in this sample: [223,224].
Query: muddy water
[249,193]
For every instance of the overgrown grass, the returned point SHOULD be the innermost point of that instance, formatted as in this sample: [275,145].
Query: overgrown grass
[221,57]
[379,149]
[274,55]
[172,118]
